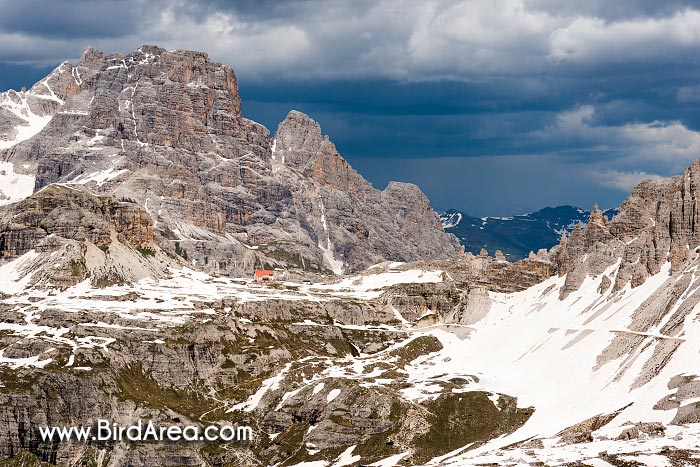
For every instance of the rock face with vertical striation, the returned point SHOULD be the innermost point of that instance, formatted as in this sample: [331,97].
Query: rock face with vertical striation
[144,157]
[657,224]
[165,130]
[355,224]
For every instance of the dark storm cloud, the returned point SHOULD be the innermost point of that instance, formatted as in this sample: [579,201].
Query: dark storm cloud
[72,19]
[595,94]
[527,182]
[18,76]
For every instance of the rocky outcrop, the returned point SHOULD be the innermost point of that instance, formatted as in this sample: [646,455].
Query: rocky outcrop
[417,300]
[74,235]
[71,214]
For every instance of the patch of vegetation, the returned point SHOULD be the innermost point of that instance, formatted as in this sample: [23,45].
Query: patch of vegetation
[89,458]
[381,445]
[78,268]
[681,457]
[18,381]
[341,419]
[617,461]
[145,251]
[137,386]
[418,347]
[460,419]
[108,279]
[23,459]
[292,441]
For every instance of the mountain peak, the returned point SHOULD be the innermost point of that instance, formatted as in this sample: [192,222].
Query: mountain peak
[91,57]
[300,144]
[151,49]
[597,216]
[300,132]
[299,116]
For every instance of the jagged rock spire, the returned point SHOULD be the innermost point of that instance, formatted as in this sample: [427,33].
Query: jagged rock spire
[597,216]
[563,239]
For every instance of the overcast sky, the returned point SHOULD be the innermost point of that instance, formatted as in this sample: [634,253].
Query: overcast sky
[491,106]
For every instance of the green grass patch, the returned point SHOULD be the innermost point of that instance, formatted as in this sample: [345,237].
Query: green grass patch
[418,347]
[24,459]
[461,419]
[137,386]
[145,251]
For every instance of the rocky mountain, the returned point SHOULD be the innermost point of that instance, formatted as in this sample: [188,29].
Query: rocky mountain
[165,130]
[585,354]
[516,236]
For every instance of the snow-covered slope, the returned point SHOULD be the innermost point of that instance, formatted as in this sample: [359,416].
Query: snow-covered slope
[570,359]
[25,113]
[574,359]
[27,124]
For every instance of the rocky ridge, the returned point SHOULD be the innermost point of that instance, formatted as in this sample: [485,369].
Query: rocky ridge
[73,235]
[656,225]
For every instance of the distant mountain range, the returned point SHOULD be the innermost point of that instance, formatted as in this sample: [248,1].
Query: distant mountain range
[516,236]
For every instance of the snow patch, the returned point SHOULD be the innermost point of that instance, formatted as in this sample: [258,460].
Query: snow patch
[451,220]
[332,395]
[390,461]
[270,384]
[17,104]
[14,187]
[335,264]
[369,286]
[98,177]
[346,458]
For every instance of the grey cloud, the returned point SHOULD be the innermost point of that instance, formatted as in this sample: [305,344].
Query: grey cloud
[688,94]
[74,19]
[621,155]
[613,10]
[410,40]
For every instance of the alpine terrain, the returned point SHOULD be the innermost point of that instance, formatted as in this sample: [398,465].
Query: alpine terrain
[165,260]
